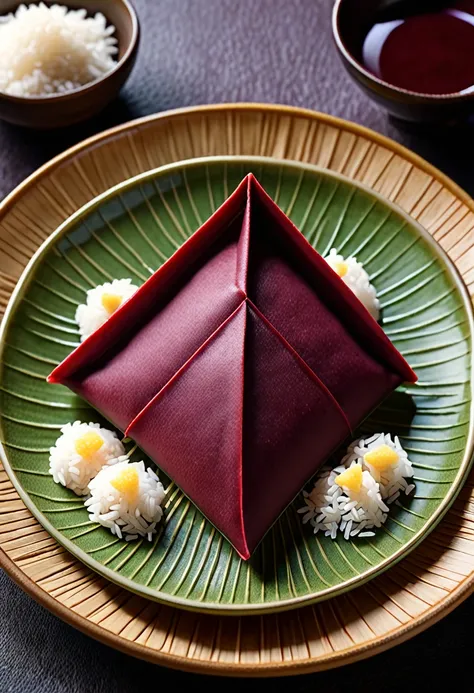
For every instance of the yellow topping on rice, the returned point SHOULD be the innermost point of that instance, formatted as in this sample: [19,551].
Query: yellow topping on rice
[111,302]
[127,483]
[88,444]
[340,267]
[351,478]
[382,458]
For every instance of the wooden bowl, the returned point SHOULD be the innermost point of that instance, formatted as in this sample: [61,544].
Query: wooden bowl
[55,111]
[350,23]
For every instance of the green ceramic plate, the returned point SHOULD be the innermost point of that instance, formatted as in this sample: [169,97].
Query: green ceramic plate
[129,232]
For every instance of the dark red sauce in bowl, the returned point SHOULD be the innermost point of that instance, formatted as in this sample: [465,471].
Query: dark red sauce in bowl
[430,53]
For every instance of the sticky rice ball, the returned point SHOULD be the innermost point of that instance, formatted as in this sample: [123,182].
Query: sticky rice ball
[80,452]
[126,498]
[365,508]
[346,500]
[386,461]
[356,278]
[354,498]
[101,302]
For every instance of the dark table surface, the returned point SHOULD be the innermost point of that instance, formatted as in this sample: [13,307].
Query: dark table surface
[209,51]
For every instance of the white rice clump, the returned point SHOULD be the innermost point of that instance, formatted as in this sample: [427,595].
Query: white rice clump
[124,517]
[357,279]
[73,471]
[92,314]
[52,50]
[332,509]
[392,481]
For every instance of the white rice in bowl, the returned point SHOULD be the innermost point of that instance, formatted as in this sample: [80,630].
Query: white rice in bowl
[80,452]
[47,50]
[126,498]
[356,278]
[101,303]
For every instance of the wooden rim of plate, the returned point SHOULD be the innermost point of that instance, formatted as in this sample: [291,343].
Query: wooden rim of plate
[421,589]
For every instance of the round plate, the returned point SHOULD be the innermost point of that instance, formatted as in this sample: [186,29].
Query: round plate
[129,232]
[416,592]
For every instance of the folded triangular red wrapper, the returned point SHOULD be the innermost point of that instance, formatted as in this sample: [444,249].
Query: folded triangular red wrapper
[239,366]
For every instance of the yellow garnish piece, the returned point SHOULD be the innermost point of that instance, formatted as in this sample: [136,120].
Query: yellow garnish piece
[340,267]
[111,302]
[88,444]
[381,458]
[351,478]
[126,482]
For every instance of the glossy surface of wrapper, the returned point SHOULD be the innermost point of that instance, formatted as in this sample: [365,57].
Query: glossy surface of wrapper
[239,366]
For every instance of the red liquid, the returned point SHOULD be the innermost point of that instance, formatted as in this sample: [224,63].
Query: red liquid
[429,53]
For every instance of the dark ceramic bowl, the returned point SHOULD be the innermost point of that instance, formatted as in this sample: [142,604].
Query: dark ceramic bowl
[351,21]
[72,107]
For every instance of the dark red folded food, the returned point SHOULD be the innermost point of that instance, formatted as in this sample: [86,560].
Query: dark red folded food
[239,366]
